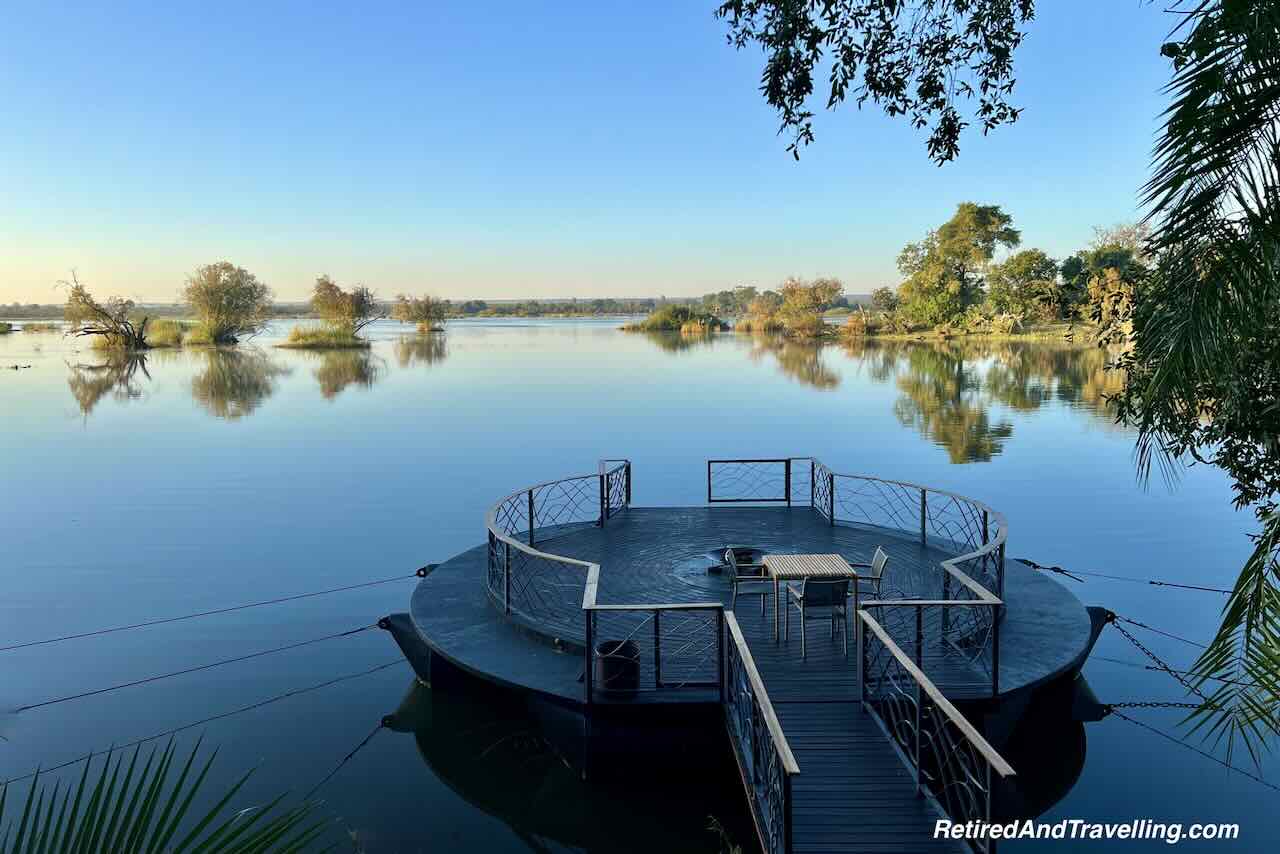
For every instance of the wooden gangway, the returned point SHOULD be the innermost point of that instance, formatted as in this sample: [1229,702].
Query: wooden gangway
[822,770]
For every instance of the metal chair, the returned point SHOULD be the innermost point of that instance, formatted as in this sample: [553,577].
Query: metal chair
[875,570]
[811,594]
[747,575]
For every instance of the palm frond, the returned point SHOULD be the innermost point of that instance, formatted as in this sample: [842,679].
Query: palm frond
[145,811]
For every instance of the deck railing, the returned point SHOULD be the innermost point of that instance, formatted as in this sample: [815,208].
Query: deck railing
[952,763]
[763,754]
[651,646]
[540,587]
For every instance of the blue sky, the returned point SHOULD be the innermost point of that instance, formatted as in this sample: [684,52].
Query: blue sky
[513,149]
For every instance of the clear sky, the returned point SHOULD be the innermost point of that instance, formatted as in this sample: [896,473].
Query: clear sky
[509,149]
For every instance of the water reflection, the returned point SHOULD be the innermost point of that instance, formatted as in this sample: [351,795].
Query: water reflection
[339,369]
[429,349]
[680,342]
[235,382]
[117,374]
[501,757]
[942,398]
[799,360]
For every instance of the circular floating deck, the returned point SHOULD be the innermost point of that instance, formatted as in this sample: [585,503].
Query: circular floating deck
[661,555]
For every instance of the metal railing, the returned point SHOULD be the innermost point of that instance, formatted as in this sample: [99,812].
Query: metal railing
[633,648]
[540,587]
[763,754]
[964,612]
[951,761]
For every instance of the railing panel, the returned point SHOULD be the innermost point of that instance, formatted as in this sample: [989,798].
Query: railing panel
[645,648]
[569,501]
[617,481]
[954,520]
[883,503]
[761,481]
[951,761]
[762,751]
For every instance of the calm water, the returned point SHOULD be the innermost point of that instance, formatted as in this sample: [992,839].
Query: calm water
[199,479]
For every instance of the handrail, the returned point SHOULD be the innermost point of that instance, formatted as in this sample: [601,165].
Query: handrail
[997,762]
[789,764]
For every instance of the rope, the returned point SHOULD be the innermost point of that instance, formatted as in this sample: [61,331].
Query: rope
[1203,753]
[1073,573]
[368,738]
[195,669]
[258,705]
[96,632]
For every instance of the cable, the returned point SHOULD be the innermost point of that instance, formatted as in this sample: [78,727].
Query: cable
[277,698]
[1203,753]
[1161,632]
[1141,666]
[368,738]
[195,669]
[96,632]
[1074,572]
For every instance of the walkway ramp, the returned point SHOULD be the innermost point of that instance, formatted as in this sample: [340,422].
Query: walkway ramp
[821,771]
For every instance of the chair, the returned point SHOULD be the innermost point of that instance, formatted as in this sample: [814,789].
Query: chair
[875,570]
[814,594]
[747,575]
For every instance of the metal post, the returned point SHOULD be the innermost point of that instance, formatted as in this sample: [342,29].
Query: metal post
[986,556]
[862,670]
[813,481]
[786,820]
[708,481]
[720,668]
[831,498]
[924,509]
[917,758]
[995,651]
[1000,571]
[530,517]
[786,468]
[604,503]
[628,483]
[589,676]
[657,651]
[920,637]
[946,612]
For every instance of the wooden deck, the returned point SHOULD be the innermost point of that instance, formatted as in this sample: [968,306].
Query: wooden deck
[853,792]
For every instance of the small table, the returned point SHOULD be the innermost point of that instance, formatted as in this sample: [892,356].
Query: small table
[796,567]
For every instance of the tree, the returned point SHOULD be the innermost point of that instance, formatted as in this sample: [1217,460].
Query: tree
[803,304]
[917,58]
[229,301]
[429,313]
[110,321]
[944,271]
[1025,283]
[346,311]
[884,299]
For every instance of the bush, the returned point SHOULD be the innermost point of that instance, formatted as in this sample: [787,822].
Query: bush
[346,312]
[674,318]
[229,301]
[759,323]
[1006,324]
[5,328]
[805,324]
[38,327]
[429,313]
[322,338]
[856,326]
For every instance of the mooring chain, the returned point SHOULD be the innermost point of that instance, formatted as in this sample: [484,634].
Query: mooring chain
[1072,574]
[1114,620]
[1152,704]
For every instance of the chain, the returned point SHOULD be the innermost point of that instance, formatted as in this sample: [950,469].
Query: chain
[1152,705]
[1151,655]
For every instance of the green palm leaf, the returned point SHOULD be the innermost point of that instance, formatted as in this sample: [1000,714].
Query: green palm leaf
[144,813]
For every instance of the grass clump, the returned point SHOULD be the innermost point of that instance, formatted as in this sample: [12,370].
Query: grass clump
[323,338]
[5,328]
[40,327]
[677,318]
[166,333]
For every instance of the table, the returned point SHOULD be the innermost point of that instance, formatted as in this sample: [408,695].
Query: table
[797,567]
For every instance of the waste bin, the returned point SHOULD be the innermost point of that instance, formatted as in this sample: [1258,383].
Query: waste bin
[617,666]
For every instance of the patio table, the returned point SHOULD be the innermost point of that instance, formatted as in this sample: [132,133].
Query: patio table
[781,568]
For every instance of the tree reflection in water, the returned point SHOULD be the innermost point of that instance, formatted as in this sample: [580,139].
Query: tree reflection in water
[235,382]
[800,360]
[116,375]
[949,387]
[339,369]
[427,349]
